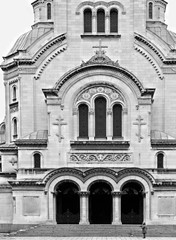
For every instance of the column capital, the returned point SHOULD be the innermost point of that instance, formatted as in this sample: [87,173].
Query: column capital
[116,194]
[109,111]
[75,111]
[91,111]
[84,193]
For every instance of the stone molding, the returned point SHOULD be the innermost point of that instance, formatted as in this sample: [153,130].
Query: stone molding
[100,158]
[100,3]
[165,60]
[151,60]
[13,107]
[31,142]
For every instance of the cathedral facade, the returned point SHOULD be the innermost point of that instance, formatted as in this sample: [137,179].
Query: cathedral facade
[89,135]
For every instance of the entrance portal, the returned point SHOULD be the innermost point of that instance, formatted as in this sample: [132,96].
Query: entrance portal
[100,204]
[132,203]
[67,203]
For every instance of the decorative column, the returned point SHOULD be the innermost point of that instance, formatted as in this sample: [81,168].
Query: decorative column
[116,208]
[146,207]
[109,124]
[75,124]
[91,125]
[84,208]
[52,215]
[94,23]
[125,127]
[107,23]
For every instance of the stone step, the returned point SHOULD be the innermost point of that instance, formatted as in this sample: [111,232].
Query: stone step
[62,230]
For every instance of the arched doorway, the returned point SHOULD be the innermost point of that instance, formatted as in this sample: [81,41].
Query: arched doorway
[132,203]
[67,203]
[100,203]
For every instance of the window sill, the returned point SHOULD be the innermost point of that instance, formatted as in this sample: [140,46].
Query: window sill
[99,35]
[100,145]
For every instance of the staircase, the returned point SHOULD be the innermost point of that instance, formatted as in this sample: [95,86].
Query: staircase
[71,230]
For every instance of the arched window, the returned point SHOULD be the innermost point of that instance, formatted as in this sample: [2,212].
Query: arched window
[14,95]
[150,10]
[100,21]
[83,121]
[87,20]
[0,164]
[113,21]
[117,120]
[48,11]
[100,117]
[160,160]
[37,160]
[15,128]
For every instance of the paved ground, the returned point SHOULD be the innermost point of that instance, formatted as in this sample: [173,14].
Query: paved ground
[84,238]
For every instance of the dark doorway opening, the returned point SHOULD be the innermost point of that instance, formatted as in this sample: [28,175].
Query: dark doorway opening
[132,203]
[100,204]
[67,204]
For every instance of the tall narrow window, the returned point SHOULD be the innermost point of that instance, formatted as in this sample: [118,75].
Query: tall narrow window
[15,128]
[160,160]
[87,20]
[117,120]
[100,117]
[48,11]
[0,164]
[150,10]
[37,160]
[113,21]
[14,95]
[83,121]
[100,21]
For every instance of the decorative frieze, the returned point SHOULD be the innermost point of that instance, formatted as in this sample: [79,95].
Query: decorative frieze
[100,157]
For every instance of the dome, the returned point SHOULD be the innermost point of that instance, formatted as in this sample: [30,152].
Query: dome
[27,39]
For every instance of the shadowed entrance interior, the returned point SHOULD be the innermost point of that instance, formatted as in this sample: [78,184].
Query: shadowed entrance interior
[67,203]
[100,203]
[132,203]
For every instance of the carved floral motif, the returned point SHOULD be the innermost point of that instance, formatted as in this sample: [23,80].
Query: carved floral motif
[110,92]
[103,157]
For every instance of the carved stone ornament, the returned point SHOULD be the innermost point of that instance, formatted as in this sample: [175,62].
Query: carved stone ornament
[103,157]
[111,92]
[100,57]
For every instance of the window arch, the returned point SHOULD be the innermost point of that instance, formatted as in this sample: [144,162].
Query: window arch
[14,93]
[100,21]
[15,128]
[88,20]
[100,117]
[83,121]
[48,11]
[150,10]
[160,160]
[37,160]
[117,120]
[113,20]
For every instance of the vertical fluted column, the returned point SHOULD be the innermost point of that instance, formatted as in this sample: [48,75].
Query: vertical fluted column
[75,128]
[109,124]
[91,124]
[84,208]
[116,208]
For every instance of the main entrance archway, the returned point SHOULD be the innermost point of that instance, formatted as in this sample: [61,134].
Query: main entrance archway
[132,203]
[100,203]
[67,203]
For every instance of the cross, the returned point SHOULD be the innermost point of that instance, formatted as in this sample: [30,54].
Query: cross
[100,52]
[60,123]
[139,123]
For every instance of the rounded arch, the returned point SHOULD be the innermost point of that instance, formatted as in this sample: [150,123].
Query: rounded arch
[100,181]
[37,159]
[160,159]
[66,180]
[87,20]
[113,20]
[100,3]
[14,92]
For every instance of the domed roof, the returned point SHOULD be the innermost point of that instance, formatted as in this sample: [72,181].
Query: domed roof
[27,39]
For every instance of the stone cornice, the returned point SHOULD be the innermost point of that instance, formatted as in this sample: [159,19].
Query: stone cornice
[31,142]
[86,67]
[8,148]
[165,60]
[30,61]
[29,183]
[166,143]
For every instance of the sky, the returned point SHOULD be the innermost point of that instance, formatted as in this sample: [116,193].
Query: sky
[16,18]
